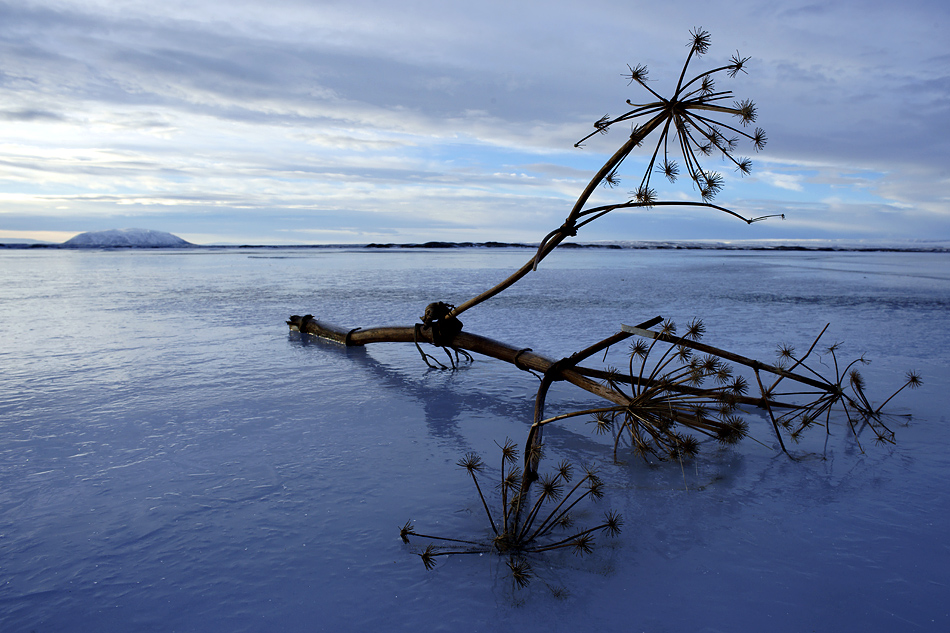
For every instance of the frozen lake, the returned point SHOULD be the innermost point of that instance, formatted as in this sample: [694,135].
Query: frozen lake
[172,459]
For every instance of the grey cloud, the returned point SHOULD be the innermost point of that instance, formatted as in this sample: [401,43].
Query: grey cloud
[133,61]
[844,85]
[30,115]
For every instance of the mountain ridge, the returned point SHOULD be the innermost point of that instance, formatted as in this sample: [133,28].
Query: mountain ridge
[126,238]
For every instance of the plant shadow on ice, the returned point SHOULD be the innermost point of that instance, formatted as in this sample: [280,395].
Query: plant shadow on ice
[711,489]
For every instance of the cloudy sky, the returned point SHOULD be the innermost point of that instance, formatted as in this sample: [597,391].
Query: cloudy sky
[311,121]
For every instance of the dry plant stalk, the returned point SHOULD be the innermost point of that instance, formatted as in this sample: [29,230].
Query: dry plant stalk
[674,386]
[522,526]
[688,116]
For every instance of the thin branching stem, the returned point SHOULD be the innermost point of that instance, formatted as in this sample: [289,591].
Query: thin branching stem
[574,414]
[484,503]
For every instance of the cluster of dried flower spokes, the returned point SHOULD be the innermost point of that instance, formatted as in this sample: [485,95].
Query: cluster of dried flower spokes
[672,392]
[686,127]
[524,525]
[685,123]
[845,389]
[669,390]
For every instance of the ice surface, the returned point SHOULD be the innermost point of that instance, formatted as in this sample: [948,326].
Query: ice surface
[172,459]
[125,238]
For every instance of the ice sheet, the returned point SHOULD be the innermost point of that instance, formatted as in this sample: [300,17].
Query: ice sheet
[172,459]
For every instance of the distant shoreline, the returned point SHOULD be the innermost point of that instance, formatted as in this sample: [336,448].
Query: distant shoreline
[803,246]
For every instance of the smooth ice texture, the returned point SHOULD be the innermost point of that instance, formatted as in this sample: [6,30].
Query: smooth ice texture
[172,459]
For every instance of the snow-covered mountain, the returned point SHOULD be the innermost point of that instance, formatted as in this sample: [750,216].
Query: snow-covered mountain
[146,238]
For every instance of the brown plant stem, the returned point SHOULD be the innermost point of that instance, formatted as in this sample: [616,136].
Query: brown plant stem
[567,229]
[735,358]
[485,346]
[553,373]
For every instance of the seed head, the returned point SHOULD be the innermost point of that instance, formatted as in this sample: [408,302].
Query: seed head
[428,557]
[551,487]
[596,488]
[737,64]
[732,431]
[637,74]
[471,462]
[603,423]
[613,522]
[670,169]
[695,329]
[723,374]
[668,328]
[857,380]
[639,348]
[711,363]
[696,375]
[710,183]
[565,471]
[700,41]
[645,196]
[509,451]
[512,480]
[520,571]
[747,111]
[406,531]
[566,521]
[914,380]
[786,351]
[687,446]
[583,544]
[739,386]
